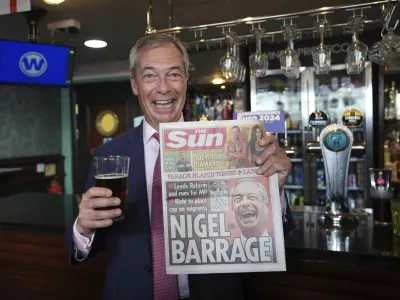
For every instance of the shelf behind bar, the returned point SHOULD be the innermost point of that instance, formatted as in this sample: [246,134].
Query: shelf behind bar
[353,189]
[352,159]
[294,131]
[293,187]
[296,160]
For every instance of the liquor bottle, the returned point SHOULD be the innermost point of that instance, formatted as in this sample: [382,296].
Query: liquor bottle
[298,174]
[195,112]
[239,101]
[393,97]
[320,178]
[386,100]
[226,110]
[218,110]
[360,174]
[188,109]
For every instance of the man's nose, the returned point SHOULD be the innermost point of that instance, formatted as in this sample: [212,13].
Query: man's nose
[163,85]
[245,201]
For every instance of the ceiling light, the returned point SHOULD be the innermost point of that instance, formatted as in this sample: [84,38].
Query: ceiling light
[218,81]
[223,87]
[95,44]
[53,2]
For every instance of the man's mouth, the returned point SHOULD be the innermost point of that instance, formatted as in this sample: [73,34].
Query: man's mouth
[163,103]
[248,216]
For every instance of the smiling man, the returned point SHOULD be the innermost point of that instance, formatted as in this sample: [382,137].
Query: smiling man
[250,207]
[135,246]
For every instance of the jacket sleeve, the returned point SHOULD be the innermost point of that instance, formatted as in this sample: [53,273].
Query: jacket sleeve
[99,239]
[289,224]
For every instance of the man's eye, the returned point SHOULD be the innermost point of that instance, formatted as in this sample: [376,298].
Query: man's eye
[175,76]
[236,200]
[148,76]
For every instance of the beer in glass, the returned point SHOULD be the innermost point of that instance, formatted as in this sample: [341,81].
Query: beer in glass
[111,172]
[381,194]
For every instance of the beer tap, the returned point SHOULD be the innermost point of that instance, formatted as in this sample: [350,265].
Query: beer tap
[336,143]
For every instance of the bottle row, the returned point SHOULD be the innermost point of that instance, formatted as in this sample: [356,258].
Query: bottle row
[356,198]
[356,175]
[219,107]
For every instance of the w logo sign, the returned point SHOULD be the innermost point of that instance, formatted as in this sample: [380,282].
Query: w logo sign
[33,64]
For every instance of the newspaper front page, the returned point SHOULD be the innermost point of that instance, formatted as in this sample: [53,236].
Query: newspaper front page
[219,216]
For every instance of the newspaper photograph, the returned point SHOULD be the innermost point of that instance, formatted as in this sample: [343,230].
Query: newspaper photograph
[219,215]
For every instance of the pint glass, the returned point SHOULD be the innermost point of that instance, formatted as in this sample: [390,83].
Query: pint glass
[381,194]
[111,172]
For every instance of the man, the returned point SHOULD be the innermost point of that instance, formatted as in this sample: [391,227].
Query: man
[183,165]
[237,150]
[250,207]
[159,66]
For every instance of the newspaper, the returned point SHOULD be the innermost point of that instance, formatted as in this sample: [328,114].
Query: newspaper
[219,216]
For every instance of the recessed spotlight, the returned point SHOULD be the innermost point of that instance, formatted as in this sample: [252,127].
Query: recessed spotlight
[223,87]
[95,44]
[53,2]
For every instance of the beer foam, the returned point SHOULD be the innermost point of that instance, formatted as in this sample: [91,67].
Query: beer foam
[110,176]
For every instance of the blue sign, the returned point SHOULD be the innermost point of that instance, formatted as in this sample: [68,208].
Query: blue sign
[30,63]
[274,120]
[336,140]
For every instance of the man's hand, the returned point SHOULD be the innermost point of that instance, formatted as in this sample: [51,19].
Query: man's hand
[273,159]
[89,217]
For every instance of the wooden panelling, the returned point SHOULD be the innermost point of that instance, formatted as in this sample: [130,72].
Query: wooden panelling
[35,266]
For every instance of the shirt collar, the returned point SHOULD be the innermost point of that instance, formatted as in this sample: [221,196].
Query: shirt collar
[148,131]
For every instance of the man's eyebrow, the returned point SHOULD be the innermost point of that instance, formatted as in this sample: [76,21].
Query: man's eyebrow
[169,69]
[175,68]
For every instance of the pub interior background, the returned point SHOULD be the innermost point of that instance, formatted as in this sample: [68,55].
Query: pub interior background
[49,135]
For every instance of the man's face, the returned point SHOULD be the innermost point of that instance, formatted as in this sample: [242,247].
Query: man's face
[182,156]
[249,209]
[235,133]
[160,84]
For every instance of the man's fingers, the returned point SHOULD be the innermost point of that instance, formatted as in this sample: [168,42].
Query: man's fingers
[98,192]
[271,149]
[102,214]
[94,224]
[268,140]
[102,202]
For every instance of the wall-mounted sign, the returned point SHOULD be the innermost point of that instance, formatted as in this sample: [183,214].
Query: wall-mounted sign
[107,123]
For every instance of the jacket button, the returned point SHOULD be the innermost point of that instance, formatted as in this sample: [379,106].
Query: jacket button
[147,269]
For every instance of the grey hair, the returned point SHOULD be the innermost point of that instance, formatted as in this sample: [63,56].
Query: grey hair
[154,41]
[263,191]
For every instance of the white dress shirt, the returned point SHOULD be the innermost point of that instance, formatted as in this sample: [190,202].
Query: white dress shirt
[151,150]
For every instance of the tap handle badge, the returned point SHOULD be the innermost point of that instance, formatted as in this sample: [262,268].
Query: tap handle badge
[318,119]
[352,118]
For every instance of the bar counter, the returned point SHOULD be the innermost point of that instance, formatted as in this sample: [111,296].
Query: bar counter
[361,264]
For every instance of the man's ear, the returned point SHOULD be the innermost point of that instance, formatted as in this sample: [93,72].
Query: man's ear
[134,86]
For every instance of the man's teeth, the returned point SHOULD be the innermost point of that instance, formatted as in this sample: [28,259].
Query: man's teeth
[163,104]
[248,214]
